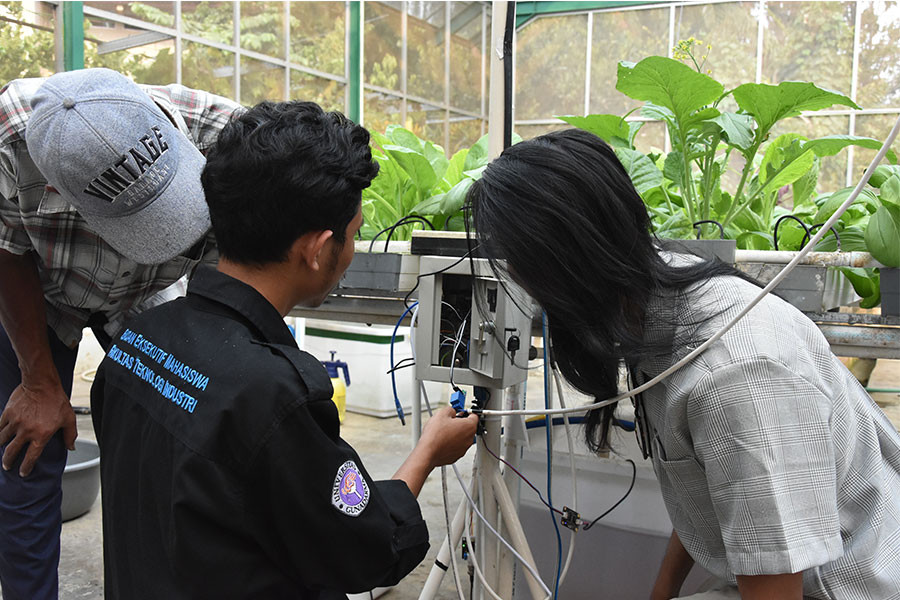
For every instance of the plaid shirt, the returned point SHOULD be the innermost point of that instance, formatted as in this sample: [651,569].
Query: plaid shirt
[80,273]
[770,455]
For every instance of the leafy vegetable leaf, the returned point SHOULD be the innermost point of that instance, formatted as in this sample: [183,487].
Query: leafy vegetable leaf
[882,173]
[832,144]
[404,137]
[435,156]
[890,191]
[883,235]
[644,174]
[612,129]
[866,283]
[770,103]
[738,129]
[415,164]
[454,199]
[478,154]
[668,83]
[754,240]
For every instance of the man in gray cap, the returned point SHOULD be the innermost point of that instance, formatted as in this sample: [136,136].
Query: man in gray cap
[101,207]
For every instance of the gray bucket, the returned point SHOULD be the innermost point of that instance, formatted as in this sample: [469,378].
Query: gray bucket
[81,479]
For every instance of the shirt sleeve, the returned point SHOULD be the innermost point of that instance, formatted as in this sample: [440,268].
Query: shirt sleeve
[320,515]
[204,113]
[763,436]
[13,237]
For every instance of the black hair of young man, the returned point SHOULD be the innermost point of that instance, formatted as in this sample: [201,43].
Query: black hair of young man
[291,160]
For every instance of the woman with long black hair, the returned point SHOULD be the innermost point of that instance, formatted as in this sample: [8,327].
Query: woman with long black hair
[780,474]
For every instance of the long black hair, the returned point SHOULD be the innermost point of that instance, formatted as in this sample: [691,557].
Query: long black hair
[562,213]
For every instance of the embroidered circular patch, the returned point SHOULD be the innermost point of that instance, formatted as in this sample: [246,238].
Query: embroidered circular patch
[350,493]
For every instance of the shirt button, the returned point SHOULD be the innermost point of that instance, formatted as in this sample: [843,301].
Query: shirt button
[126,273]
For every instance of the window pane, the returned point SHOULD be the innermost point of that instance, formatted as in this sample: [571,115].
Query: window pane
[326,93]
[628,35]
[465,57]
[550,69]
[380,111]
[832,169]
[809,41]
[262,27]
[873,126]
[652,136]
[425,50]
[426,121]
[464,132]
[879,51]
[317,35]
[207,68]
[27,51]
[158,13]
[731,30]
[211,20]
[382,44]
[145,56]
[261,81]
[532,131]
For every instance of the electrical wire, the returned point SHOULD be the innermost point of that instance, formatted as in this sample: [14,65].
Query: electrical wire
[727,327]
[621,500]
[525,479]
[459,336]
[438,272]
[571,444]
[549,436]
[407,220]
[392,370]
[474,562]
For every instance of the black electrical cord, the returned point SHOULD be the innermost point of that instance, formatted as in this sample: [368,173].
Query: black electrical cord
[407,220]
[782,218]
[621,500]
[438,272]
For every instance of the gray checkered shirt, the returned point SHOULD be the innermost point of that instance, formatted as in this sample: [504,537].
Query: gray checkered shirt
[770,455]
[80,273]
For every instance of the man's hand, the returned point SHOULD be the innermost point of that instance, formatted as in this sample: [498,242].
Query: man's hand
[447,437]
[32,416]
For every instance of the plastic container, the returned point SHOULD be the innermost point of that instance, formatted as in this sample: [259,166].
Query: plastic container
[340,391]
[81,479]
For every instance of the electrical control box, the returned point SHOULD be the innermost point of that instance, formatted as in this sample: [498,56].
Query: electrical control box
[472,329]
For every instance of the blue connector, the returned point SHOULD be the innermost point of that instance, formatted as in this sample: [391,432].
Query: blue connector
[458,401]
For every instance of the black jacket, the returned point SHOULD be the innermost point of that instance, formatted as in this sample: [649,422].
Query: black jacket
[223,471]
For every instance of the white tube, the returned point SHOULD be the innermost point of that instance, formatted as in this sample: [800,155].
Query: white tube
[562,404]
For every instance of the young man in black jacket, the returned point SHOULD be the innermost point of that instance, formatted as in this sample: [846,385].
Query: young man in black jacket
[223,471]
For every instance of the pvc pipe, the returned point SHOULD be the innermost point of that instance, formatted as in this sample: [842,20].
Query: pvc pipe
[516,533]
[823,259]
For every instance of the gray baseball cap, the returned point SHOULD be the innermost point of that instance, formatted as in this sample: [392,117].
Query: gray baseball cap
[113,154]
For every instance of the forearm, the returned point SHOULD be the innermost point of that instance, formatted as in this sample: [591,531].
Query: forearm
[788,586]
[676,565]
[24,318]
[415,469]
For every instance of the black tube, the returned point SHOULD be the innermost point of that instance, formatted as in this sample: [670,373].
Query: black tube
[508,73]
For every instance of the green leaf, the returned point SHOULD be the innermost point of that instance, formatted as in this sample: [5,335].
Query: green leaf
[852,240]
[754,240]
[770,103]
[785,161]
[804,190]
[454,199]
[749,221]
[415,165]
[738,129]
[437,159]
[478,154]
[454,172]
[404,137]
[660,113]
[882,173]
[832,144]
[673,168]
[676,227]
[866,283]
[701,117]
[790,235]
[834,201]
[668,83]
[429,206]
[644,174]
[890,191]
[883,235]
[612,129]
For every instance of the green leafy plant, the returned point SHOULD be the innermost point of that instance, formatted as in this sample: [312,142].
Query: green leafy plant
[416,178]
[690,183]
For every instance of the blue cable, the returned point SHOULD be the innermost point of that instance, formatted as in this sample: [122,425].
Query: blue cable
[549,442]
[393,372]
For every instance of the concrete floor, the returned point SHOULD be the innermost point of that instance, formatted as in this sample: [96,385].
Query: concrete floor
[383,444]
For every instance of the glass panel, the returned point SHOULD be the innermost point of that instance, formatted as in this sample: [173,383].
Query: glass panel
[261,81]
[262,27]
[532,131]
[797,36]
[426,121]
[550,69]
[465,57]
[626,35]
[464,132]
[728,33]
[207,68]
[382,44]
[651,137]
[317,35]
[873,126]
[879,39]
[212,20]
[158,13]
[145,56]
[327,93]
[380,111]
[27,51]
[425,50]
[832,169]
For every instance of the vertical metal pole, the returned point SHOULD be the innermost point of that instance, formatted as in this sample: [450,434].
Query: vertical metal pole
[354,77]
[485,52]
[236,15]
[854,88]
[416,408]
[447,16]
[178,42]
[286,31]
[59,63]
[587,64]
[496,95]
[404,65]
[73,35]
[760,38]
